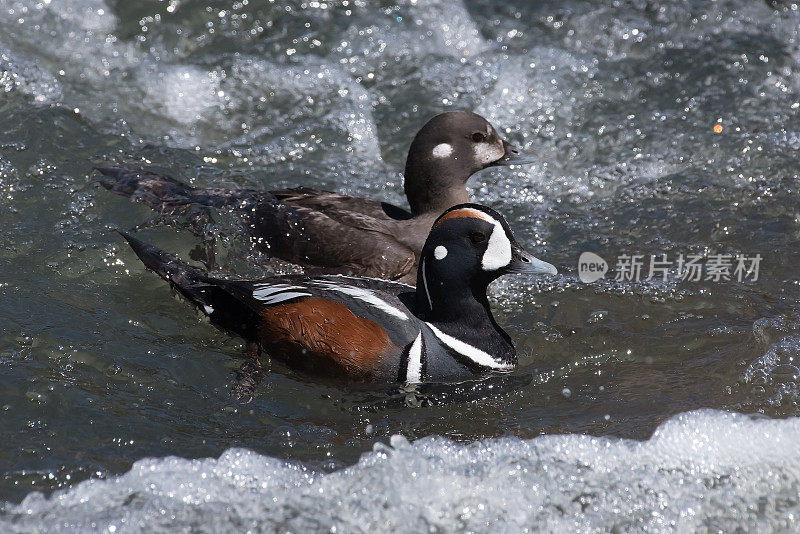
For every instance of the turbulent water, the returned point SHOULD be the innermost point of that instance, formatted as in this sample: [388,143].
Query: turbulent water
[702,471]
[660,128]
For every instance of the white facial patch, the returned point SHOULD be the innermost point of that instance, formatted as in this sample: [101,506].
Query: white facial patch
[486,153]
[498,251]
[442,150]
[440,252]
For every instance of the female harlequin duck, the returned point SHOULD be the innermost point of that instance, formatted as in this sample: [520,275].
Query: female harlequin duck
[335,233]
[370,329]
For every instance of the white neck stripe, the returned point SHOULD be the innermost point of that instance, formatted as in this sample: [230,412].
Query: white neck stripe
[465,349]
[425,285]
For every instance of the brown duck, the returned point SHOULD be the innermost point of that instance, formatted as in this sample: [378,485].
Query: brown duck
[332,233]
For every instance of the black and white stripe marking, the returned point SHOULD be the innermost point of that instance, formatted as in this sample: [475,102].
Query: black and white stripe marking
[275,293]
[473,354]
[414,364]
[425,284]
[363,295]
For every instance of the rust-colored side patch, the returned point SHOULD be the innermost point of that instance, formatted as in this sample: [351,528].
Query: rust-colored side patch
[323,336]
[462,213]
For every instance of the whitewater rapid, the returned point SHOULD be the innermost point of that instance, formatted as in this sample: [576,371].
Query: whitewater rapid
[701,471]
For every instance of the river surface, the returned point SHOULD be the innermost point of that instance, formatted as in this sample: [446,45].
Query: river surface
[660,403]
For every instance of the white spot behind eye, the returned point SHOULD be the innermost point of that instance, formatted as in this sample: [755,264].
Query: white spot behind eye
[439,252]
[442,150]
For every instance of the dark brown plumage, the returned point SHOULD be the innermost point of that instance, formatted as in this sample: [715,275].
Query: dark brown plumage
[335,233]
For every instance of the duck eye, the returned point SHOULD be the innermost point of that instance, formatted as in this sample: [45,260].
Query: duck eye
[479,137]
[477,237]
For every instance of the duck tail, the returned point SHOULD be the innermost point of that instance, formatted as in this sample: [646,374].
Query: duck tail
[189,281]
[164,193]
[215,297]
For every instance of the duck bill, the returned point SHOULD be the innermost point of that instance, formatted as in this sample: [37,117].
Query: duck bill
[513,155]
[524,263]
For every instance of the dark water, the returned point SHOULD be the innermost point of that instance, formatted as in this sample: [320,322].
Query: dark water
[100,366]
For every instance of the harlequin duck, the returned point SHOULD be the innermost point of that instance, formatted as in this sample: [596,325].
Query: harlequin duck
[370,329]
[336,233]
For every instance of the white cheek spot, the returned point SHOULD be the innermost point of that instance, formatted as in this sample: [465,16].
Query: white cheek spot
[498,251]
[439,252]
[442,150]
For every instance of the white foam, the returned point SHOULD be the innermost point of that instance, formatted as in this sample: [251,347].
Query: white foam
[701,470]
[774,378]
[184,93]
[450,25]
[233,103]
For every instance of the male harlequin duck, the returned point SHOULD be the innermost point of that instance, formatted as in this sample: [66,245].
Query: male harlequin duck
[335,233]
[370,329]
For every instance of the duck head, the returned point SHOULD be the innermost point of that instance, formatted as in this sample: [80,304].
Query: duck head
[468,247]
[449,149]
